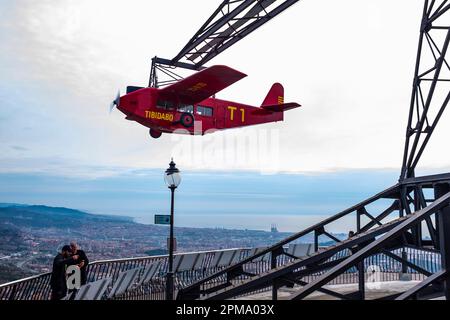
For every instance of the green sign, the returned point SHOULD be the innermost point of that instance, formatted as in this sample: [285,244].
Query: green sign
[162,219]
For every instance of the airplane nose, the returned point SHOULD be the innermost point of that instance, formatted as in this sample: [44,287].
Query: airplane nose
[128,104]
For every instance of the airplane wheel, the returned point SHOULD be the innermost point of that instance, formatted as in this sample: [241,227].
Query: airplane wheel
[187,120]
[155,133]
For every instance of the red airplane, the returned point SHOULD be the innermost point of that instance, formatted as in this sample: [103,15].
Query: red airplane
[176,108]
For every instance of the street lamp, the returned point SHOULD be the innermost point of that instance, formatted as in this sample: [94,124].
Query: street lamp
[172,178]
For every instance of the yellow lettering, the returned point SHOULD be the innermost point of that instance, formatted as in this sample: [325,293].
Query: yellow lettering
[242,114]
[280,100]
[197,87]
[159,115]
[232,109]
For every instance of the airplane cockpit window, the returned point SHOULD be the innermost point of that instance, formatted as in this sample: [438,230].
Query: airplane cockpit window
[164,104]
[205,111]
[186,108]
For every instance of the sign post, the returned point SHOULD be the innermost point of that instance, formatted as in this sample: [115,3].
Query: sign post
[174,244]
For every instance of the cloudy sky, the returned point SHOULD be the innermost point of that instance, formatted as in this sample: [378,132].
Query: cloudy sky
[348,62]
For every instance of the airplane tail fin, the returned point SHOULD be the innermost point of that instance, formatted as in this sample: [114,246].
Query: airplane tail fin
[274,100]
[275,95]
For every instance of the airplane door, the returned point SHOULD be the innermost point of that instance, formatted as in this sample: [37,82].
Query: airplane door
[206,115]
[219,116]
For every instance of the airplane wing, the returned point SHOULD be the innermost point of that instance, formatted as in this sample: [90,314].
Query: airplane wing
[281,107]
[202,84]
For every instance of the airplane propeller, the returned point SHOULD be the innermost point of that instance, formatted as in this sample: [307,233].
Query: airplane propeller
[115,103]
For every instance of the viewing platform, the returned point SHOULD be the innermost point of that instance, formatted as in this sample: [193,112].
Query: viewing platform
[143,278]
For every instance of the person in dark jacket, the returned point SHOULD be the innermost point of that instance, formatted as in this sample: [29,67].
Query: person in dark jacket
[82,261]
[58,280]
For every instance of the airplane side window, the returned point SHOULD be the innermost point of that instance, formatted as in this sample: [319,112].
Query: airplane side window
[205,111]
[161,104]
[186,108]
[164,104]
[169,105]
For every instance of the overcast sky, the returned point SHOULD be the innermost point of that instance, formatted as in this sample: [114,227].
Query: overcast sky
[348,62]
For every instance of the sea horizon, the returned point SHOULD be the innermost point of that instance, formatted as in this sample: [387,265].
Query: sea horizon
[244,200]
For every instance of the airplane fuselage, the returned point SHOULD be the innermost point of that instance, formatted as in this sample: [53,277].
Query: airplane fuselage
[147,107]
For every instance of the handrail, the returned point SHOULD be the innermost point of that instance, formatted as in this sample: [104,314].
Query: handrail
[427,179]
[165,255]
[37,286]
[24,279]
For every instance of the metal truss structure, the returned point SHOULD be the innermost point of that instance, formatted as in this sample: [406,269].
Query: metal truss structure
[430,74]
[416,210]
[375,235]
[232,21]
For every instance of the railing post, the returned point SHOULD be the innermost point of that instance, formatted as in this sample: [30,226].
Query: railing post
[317,233]
[404,257]
[417,230]
[361,279]
[444,234]
[274,290]
[273,264]
[358,220]
[13,293]
[404,275]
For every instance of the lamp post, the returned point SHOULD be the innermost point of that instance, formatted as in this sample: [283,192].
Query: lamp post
[172,178]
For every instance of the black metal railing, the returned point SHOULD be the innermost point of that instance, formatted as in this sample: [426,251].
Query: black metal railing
[384,268]
[38,287]
[378,268]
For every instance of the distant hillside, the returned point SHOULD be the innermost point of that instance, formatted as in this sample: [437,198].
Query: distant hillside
[11,238]
[37,216]
[4,205]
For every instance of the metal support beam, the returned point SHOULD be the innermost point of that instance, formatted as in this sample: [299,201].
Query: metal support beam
[405,263]
[268,277]
[421,124]
[231,22]
[419,287]
[444,235]
[409,222]
[361,280]
[323,290]
[395,206]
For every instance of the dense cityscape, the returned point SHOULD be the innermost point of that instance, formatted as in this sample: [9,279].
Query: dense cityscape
[31,235]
